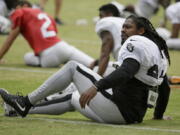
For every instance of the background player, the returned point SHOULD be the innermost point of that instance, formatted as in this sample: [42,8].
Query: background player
[49,50]
[5,8]
[108,29]
[172,13]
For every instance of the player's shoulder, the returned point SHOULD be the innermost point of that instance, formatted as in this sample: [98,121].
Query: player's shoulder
[137,39]
[110,19]
[139,42]
[109,23]
[174,6]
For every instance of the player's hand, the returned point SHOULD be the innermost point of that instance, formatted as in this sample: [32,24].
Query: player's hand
[86,96]
[93,64]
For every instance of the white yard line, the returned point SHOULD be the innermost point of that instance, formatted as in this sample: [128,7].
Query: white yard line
[100,124]
[25,70]
[106,125]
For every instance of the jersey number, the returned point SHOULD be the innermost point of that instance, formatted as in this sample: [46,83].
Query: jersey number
[44,28]
[153,72]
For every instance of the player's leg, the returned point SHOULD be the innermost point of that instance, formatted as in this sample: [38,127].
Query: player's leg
[80,56]
[55,104]
[53,107]
[83,78]
[62,53]
[57,82]
[57,10]
[102,107]
[31,60]
[173,43]
[87,111]
[42,3]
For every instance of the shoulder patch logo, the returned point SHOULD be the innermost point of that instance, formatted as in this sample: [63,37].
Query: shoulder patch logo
[130,47]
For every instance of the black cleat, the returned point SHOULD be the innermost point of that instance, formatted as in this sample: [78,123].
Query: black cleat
[58,21]
[19,103]
[8,110]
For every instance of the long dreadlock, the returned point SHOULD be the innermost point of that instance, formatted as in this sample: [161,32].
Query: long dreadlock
[151,33]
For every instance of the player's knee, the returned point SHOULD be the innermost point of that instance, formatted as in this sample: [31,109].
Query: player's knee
[31,60]
[72,64]
[75,99]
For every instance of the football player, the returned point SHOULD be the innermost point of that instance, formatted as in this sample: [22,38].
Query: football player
[172,13]
[122,96]
[147,8]
[5,8]
[108,29]
[40,31]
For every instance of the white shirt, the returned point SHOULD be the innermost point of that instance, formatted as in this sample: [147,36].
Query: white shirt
[146,8]
[173,13]
[3,8]
[114,26]
[146,52]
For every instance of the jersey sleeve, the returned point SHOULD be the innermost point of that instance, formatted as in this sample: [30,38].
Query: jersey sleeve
[172,13]
[132,49]
[16,18]
[103,25]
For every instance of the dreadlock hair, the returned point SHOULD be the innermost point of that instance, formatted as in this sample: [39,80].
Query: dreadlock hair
[22,3]
[110,8]
[151,33]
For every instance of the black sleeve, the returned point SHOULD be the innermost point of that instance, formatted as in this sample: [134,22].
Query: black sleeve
[120,76]
[162,101]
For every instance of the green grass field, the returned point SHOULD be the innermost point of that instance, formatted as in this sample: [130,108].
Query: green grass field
[15,76]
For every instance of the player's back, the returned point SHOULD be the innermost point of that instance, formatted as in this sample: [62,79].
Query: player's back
[114,26]
[36,26]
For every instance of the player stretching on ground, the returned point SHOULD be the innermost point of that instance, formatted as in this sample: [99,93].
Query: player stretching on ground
[40,31]
[142,65]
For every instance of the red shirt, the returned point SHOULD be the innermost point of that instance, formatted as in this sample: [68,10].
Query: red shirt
[37,27]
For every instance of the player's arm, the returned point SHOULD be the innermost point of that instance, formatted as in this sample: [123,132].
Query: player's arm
[175,30]
[164,4]
[106,49]
[122,74]
[8,42]
[164,92]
